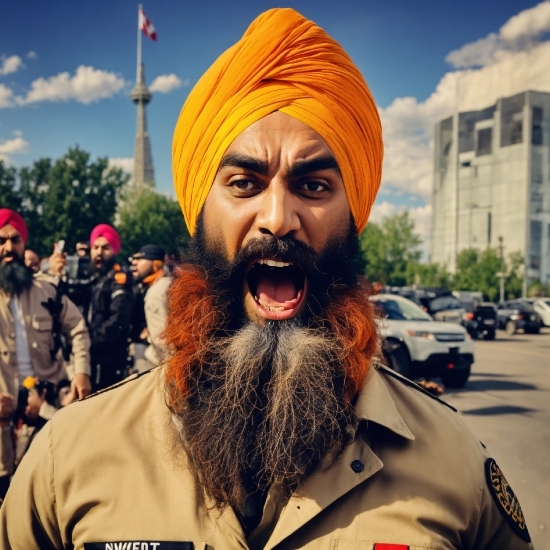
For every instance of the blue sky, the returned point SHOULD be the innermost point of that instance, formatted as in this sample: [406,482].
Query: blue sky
[400,46]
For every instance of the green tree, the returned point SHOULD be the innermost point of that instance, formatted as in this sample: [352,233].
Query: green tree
[149,217]
[477,270]
[390,248]
[67,199]
[428,274]
[514,275]
[10,196]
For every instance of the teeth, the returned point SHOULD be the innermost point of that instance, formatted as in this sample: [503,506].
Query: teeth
[274,263]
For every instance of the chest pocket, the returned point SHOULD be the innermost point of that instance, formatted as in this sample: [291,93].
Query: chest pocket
[42,322]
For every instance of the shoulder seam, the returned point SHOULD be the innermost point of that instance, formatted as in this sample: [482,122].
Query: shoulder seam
[130,378]
[411,384]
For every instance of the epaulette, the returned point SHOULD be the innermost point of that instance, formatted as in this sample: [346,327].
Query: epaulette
[130,378]
[120,278]
[410,383]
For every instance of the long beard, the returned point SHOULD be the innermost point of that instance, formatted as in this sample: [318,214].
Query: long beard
[267,404]
[15,277]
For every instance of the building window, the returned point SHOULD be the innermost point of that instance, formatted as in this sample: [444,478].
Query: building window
[489,227]
[466,127]
[511,126]
[484,142]
[536,133]
[536,244]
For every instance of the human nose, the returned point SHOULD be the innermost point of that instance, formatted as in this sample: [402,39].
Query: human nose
[278,214]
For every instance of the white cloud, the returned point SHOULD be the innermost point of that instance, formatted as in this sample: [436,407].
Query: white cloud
[408,123]
[15,146]
[10,64]
[6,97]
[31,55]
[86,86]
[165,83]
[520,33]
[126,164]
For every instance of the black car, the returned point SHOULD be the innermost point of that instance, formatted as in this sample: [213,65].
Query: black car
[480,319]
[517,315]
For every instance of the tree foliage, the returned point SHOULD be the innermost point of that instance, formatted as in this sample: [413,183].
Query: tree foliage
[67,198]
[390,248]
[393,256]
[151,218]
[9,196]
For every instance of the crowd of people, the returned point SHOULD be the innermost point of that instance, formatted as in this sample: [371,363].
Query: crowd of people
[71,325]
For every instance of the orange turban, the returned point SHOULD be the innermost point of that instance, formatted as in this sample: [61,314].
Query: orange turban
[283,62]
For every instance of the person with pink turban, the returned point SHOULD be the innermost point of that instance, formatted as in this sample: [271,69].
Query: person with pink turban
[109,311]
[28,328]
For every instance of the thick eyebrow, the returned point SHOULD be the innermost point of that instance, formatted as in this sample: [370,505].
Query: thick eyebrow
[246,163]
[303,167]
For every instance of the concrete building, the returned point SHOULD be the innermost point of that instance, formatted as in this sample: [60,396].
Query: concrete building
[143,161]
[492,179]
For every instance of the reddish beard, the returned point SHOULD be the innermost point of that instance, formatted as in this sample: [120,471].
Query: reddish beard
[195,316]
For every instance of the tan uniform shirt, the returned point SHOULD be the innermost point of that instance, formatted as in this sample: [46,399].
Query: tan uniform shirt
[109,473]
[38,323]
[156,311]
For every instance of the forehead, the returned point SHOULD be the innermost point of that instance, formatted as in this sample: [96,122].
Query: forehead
[8,231]
[31,254]
[279,133]
[100,242]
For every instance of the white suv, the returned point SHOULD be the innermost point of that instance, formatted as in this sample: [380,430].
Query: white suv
[415,345]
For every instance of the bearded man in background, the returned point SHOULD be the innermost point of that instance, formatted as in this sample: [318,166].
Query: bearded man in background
[272,425]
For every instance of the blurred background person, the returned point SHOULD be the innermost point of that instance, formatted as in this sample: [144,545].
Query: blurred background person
[83,249]
[32,261]
[109,311]
[33,318]
[149,270]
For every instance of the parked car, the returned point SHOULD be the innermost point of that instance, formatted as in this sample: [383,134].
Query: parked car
[480,319]
[517,315]
[417,346]
[542,307]
[446,308]
[437,302]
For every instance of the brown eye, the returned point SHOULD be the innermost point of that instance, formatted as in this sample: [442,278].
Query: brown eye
[244,185]
[313,188]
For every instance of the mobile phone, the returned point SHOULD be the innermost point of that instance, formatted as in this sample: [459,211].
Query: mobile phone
[59,246]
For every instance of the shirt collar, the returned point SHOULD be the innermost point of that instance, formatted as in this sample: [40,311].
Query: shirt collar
[375,404]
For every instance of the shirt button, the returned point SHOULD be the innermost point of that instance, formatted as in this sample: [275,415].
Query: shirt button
[34,345]
[357,466]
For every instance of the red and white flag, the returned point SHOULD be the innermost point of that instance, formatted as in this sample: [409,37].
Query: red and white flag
[146,26]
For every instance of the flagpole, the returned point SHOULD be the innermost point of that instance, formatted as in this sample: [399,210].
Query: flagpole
[138,45]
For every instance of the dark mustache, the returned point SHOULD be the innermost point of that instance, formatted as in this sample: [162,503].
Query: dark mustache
[287,249]
[7,255]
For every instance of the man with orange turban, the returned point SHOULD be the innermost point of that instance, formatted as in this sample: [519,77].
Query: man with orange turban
[272,423]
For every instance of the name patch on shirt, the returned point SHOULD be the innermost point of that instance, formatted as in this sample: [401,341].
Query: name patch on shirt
[506,499]
[139,545]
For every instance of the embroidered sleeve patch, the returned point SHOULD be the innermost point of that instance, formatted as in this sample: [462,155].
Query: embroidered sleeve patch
[506,499]
[139,545]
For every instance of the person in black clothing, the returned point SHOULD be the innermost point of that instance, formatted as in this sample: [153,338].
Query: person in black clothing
[109,312]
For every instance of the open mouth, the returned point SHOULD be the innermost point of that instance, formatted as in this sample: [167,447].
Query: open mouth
[278,288]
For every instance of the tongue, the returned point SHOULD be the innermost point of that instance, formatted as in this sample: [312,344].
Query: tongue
[276,290]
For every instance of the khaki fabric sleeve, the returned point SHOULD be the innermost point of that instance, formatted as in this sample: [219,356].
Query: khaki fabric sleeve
[28,516]
[7,451]
[74,328]
[156,312]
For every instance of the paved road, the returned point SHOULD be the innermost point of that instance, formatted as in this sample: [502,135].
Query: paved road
[506,403]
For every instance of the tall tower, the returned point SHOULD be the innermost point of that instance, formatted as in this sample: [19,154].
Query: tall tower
[143,161]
